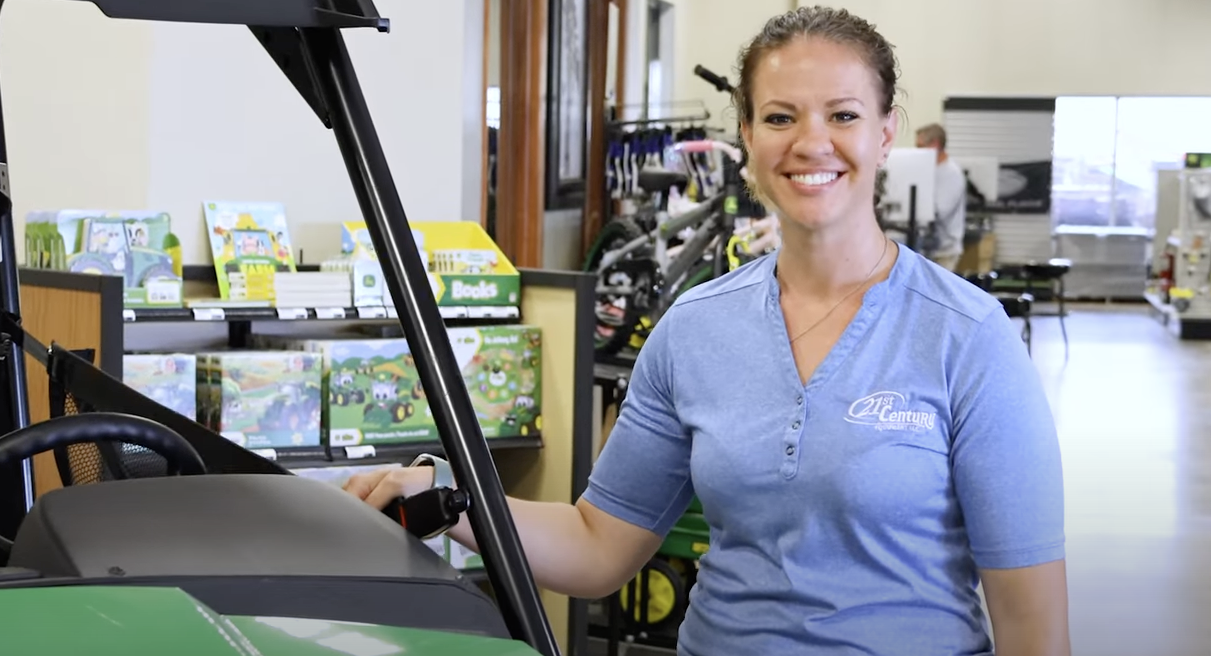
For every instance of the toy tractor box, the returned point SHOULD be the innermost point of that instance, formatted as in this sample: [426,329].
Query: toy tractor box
[169,379]
[465,266]
[261,399]
[250,243]
[137,246]
[502,369]
[372,391]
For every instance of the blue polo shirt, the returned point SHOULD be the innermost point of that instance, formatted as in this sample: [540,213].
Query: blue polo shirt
[849,515]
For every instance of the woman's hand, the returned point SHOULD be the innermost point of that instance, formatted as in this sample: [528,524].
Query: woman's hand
[381,486]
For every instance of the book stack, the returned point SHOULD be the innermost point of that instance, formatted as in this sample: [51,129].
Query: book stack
[313,289]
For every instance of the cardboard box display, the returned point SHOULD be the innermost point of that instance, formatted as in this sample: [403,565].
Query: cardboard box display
[169,379]
[502,369]
[373,393]
[261,399]
[371,389]
[137,246]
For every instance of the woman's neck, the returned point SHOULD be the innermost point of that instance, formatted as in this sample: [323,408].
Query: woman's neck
[824,264]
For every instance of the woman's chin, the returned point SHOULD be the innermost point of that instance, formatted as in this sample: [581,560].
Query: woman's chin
[812,219]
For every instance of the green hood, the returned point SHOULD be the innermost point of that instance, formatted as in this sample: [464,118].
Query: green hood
[155,621]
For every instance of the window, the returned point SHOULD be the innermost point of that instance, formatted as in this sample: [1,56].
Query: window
[1108,150]
[492,108]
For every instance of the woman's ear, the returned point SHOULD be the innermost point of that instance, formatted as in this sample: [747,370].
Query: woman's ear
[891,125]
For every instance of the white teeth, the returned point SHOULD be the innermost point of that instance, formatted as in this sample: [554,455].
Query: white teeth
[815,179]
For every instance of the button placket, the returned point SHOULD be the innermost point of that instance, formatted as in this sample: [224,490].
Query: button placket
[790,464]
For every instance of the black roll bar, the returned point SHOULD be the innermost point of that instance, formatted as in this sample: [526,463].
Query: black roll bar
[304,38]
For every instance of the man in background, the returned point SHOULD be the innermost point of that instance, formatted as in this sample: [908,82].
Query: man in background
[950,201]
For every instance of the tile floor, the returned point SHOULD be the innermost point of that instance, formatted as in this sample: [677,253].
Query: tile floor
[1133,408]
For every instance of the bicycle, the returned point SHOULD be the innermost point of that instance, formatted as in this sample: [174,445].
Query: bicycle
[641,271]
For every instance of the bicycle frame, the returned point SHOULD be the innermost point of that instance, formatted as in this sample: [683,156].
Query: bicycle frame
[710,222]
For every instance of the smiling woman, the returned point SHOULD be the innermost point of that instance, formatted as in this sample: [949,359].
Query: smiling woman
[880,445]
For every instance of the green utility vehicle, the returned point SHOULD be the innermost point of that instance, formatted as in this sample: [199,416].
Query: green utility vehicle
[186,543]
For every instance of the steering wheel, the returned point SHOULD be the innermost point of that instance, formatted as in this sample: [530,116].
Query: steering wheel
[103,427]
[100,427]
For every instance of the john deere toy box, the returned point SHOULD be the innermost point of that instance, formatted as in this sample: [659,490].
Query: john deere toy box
[374,395]
[138,246]
[371,389]
[502,369]
[466,268]
[250,244]
[261,399]
[169,379]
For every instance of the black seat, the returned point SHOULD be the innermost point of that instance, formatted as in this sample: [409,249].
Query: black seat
[984,281]
[1053,269]
[1018,306]
[1048,273]
[661,181]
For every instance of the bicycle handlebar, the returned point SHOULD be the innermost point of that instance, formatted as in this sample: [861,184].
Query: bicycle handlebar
[717,81]
[707,145]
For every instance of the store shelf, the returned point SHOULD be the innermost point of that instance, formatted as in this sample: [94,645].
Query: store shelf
[219,315]
[381,454]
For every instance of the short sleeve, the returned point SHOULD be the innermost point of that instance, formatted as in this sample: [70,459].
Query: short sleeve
[643,474]
[1006,456]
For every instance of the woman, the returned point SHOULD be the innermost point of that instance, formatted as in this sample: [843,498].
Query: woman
[865,430]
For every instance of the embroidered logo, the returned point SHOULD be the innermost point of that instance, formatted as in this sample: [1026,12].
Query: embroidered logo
[889,411]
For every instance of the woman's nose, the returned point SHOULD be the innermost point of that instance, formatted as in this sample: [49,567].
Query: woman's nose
[812,139]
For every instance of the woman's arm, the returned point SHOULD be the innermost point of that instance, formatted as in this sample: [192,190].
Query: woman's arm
[575,550]
[1029,609]
[640,485]
[1008,474]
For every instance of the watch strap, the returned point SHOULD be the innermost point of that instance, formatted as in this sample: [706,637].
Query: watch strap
[443,475]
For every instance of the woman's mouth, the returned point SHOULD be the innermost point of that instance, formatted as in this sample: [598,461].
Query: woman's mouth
[815,181]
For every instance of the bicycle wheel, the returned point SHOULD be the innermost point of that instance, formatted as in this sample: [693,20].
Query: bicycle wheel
[619,314]
[667,597]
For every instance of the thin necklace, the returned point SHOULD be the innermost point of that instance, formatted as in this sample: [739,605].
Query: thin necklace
[851,293]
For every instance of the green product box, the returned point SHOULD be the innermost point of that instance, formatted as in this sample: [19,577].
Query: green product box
[138,246]
[373,393]
[169,379]
[261,399]
[502,369]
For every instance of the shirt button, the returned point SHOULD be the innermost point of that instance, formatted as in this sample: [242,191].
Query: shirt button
[796,425]
[799,400]
[790,450]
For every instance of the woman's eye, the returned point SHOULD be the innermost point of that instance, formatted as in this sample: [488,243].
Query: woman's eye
[777,119]
[845,117]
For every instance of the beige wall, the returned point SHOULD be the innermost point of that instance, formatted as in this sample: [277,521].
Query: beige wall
[1042,47]
[120,114]
[711,33]
[980,47]
[76,94]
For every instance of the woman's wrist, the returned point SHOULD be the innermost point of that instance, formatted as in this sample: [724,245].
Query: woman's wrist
[443,475]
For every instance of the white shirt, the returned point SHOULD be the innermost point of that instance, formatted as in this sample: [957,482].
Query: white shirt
[950,199]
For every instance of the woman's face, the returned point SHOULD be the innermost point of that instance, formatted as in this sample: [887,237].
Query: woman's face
[818,134]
